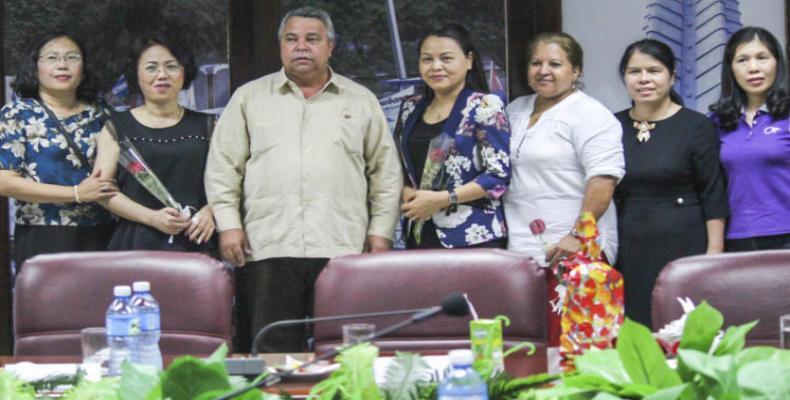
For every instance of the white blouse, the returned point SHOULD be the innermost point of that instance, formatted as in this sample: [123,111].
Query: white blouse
[572,142]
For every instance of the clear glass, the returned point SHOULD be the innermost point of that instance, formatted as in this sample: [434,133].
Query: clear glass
[94,346]
[784,331]
[353,333]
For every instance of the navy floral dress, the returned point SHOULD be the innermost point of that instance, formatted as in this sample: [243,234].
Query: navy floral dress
[31,145]
[480,153]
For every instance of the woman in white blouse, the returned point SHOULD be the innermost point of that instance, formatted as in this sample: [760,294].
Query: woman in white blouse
[567,156]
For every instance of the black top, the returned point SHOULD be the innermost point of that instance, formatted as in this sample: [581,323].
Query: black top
[419,141]
[177,155]
[673,183]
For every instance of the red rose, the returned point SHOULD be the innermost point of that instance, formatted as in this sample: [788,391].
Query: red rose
[437,155]
[135,167]
[537,226]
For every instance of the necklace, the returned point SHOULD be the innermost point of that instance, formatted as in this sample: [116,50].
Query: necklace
[644,130]
[153,120]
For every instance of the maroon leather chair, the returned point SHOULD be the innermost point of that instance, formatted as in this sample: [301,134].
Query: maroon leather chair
[56,295]
[743,286]
[497,282]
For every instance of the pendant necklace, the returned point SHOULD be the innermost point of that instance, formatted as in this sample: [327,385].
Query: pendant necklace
[644,130]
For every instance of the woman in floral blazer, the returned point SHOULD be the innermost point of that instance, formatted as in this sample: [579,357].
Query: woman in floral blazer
[55,191]
[460,205]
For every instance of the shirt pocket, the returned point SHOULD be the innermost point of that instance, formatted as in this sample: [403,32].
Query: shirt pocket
[351,132]
[264,137]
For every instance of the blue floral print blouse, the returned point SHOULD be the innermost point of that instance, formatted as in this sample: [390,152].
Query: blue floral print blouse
[480,153]
[31,145]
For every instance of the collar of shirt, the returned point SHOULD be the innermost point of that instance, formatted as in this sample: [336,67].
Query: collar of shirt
[762,110]
[332,85]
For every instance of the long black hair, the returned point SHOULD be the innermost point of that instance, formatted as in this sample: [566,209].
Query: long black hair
[733,97]
[656,49]
[173,43]
[476,77]
[26,84]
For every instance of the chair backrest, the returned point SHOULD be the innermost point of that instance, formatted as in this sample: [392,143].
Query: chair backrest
[743,286]
[56,295]
[498,282]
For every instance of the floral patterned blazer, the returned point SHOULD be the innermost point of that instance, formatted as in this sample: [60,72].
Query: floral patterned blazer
[479,154]
[31,145]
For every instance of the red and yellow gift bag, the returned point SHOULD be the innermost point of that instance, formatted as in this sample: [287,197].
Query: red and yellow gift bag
[592,308]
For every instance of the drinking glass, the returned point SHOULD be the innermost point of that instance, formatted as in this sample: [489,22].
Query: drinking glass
[784,331]
[353,333]
[94,346]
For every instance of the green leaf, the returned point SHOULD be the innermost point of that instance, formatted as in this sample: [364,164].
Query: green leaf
[105,389]
[219,355]
[672,393]
[604,363]
[137,381]
[717,373]
[605,396]
[734,339]
[767,379]
[354,379]
[759,353]
[188,377]
[702,325]
[642,358]
[404,374]
[12,388]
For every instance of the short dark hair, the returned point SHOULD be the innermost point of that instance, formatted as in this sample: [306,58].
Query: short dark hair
[733,98]
[26,84]
[476,77]
[177,48]
[659,51]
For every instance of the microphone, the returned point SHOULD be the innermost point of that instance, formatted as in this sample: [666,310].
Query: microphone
[453,305]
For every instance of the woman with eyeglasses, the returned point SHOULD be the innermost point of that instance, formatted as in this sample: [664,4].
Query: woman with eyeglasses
[47,143]
[174,143]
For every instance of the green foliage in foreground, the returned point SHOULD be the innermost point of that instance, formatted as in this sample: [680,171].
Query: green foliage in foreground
[637,368]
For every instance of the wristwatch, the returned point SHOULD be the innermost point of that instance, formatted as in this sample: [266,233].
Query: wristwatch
[453,207]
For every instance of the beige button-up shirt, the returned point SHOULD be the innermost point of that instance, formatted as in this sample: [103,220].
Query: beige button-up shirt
[303,177]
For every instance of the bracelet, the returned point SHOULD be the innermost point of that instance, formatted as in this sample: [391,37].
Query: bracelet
[453,207]
[575,234]
[76,194]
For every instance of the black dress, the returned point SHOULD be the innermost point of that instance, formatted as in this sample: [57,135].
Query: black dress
[673,184]
[177,155]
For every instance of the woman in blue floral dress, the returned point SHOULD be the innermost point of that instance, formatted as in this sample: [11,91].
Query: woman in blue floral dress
[464,209]
[55,191]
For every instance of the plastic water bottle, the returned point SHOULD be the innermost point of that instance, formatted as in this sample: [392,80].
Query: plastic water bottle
[123,327]
[462,382]
[147,309]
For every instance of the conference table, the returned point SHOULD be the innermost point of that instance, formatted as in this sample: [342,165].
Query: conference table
[518,364]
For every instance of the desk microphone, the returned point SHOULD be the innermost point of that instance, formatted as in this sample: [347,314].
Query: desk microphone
[453,305]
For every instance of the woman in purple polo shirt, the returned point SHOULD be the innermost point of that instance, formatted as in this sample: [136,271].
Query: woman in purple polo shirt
[752,118]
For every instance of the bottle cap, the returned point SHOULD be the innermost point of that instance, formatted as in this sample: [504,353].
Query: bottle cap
[122,291]
[461,357]
[141,286]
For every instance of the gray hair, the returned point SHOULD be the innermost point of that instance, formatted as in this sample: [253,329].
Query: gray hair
[309,12]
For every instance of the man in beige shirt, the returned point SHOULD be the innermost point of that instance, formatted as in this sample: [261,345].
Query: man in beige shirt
[302,168]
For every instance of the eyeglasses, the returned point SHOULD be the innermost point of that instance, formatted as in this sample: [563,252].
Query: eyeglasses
[170,69]
[55,58]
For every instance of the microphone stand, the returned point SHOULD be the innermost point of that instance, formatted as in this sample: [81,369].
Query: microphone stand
[254,365]
[420,316]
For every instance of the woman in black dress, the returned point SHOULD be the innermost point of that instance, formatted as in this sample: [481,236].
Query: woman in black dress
[672,202]
[174,142]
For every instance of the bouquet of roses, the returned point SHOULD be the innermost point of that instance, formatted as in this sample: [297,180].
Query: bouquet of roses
[434,174]
[131,160]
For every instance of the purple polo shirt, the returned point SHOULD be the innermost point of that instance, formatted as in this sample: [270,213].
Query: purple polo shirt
[756,161]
